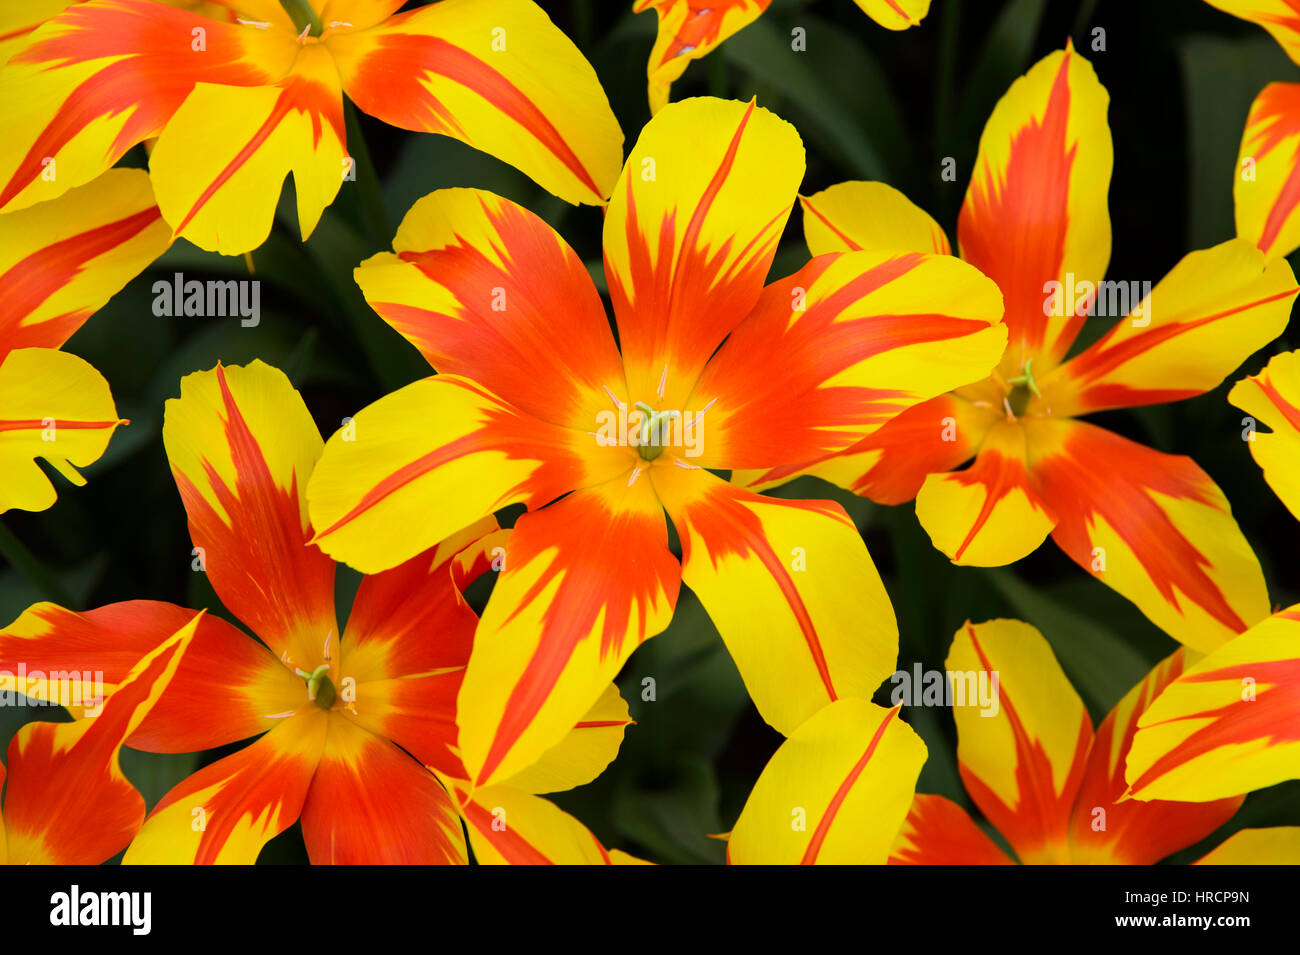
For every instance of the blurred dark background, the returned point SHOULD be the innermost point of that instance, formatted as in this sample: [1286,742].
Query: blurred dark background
[870,104]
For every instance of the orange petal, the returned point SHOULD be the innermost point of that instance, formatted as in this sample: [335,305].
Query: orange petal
[474,284]
[1022,762]
[227,811]
[242,445]
[108,74]
[1036,211]
[690,234]
[67,801]
[937,831]
[585,581]
[224,691]
[372,804]
[1153,526]
[63,260]
[1266,188]
[408,640]
[496,74]
[989,514]
[1131,832]
[838,349]
[1213,310]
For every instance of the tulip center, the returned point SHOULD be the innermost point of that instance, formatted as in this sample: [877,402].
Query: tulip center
[303,15]
[656,428]
[320,688]
[1024,389]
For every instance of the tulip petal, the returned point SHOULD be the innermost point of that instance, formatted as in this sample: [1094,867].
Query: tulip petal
[835,793]
[220,164]
[890,464]
[1273,397]
[1129,832]
[509,827]
[496,74]
[1213,310]
[226,812]
[988,514]
[1023,763]
[937,831]
[895,14]
[585,582]
[690,233]
[1230,724]
[869,215]
[1278,17]
[372,804]
[689,31]
[61,261]
[1035,211]
[18,20]
[242,445]
[1152,526]
[108,74]
[583,753]
[1279,845]
[431,458]
[53,406]
[836,350]
[408,640]
[226,689]
[67,801]
[474,285]
[790,587]
[1266,189]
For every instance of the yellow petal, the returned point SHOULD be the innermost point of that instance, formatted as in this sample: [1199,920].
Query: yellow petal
[835,793]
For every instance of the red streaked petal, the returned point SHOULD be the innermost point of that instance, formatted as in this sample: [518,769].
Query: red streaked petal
[219,166]
[688,31]
[242,445]
[937,831]
[790,587]
[585,582]
[1024,761]
[1266,189]
[496,74]
[1152,526]
[988,514]
[835,793]
[868,215]
[475,283]
[225,690]
[408,640]
[372,804]
[836,350]
[56,407]
[509,827]
[63,260]
[690,234]
[1213,310]
[67,801]
[1273,398]
[431,458]
[1130,832]
[1230,724]
[1035,211]
[108,74]
[227,811]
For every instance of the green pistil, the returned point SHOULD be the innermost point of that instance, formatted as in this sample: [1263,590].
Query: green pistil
[652,425]
[320,688]
[303,15]
[1023,390]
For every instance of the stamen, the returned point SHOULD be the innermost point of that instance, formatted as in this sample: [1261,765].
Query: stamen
[663,383]
[618,404]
